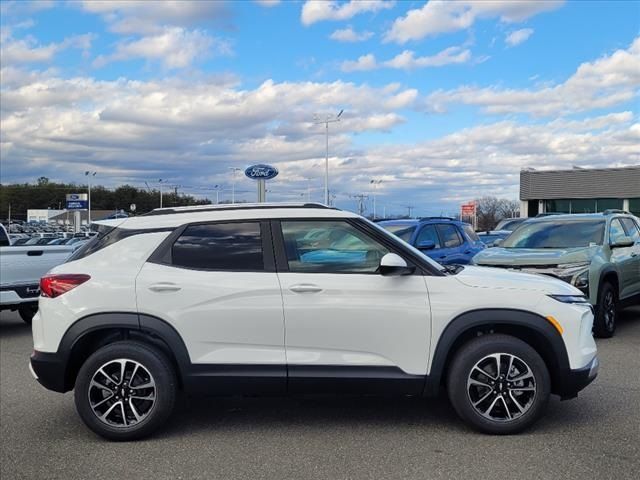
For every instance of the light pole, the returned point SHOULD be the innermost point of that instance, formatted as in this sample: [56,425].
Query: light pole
[375,184]
[233,182]
[89,175]
[160,183]
[326,120]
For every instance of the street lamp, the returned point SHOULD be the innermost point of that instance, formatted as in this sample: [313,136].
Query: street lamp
[217,189]
[89,175]
[233,182]
[160,183]
[375,184]
[326,120]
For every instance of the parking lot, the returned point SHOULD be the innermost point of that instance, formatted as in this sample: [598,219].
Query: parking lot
[595,436]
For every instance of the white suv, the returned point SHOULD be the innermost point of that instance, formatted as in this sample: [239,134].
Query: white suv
[297,298]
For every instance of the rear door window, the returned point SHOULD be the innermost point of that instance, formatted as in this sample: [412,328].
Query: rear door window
[220,246]
[450,236]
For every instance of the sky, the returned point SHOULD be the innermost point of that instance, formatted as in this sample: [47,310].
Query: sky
[443,101]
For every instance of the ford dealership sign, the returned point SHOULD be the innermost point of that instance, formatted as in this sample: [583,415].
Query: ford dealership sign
[261,172]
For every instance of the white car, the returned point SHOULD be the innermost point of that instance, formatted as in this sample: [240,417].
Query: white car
[245,299]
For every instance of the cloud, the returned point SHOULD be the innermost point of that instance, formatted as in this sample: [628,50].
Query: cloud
[363,63]
[29,50]
[605,82]
[350,35]
[138,17]
[408,61]
[518,36]
[190,130]
[175,47]
[267,3]
[320,10]
[437,16]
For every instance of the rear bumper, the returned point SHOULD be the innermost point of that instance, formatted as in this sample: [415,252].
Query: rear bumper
[49,370]
[571,382]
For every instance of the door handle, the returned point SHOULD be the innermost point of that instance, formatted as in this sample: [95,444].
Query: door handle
[305,288]
[164,287]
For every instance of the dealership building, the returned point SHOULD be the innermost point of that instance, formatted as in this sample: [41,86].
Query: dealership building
[579,190]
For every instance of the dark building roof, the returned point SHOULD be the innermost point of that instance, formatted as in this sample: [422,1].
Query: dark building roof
[580,183]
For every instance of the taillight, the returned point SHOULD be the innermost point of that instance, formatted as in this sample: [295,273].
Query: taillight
[53,286]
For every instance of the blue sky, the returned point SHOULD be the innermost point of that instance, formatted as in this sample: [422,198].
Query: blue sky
[444,101]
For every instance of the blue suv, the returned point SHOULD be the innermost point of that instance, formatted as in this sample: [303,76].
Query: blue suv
[445,240]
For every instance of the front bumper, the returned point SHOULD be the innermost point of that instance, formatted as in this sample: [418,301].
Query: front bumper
[570,382]
[49,370]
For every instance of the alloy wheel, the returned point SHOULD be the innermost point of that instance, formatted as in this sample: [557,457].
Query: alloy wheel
[609,310]
[122,393]
[501,387]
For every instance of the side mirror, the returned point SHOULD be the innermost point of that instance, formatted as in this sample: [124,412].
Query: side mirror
[393,265]
[426,245]
[622,242]
[497,243]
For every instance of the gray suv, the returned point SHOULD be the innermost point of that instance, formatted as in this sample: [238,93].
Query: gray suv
[598,253]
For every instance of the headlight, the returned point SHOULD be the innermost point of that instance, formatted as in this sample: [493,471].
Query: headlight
[577,274]
[570,298]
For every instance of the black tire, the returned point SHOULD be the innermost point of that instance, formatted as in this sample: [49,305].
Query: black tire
[607,310]
[479,350]
[161,373]
[27,312]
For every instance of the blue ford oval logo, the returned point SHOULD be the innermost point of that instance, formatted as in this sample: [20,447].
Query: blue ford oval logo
[261,172]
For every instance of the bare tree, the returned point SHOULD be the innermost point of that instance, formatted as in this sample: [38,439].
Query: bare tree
[490,210]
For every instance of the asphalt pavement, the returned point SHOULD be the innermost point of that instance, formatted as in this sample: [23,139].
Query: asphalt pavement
[596,436]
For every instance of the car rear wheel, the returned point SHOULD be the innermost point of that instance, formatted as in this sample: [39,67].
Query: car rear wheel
[27,312]
[125,390]
[604,325]
[498,384]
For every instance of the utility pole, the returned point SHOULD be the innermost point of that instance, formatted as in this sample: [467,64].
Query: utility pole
[361,198]
[233,182]
[375,184]
[409,209]
[89,175]
[327,119]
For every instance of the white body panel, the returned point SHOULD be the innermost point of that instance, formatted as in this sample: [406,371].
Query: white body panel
[223,317]
[356,320]
[111,289]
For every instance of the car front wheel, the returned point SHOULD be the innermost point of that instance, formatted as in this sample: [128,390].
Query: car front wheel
[498,384]
[125,390]
[604,325]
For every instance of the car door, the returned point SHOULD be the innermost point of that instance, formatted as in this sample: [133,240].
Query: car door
[623,257]
[347,326]
[633,230]
[216,285]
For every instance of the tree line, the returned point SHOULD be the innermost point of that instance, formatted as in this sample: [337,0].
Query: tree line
[47,194]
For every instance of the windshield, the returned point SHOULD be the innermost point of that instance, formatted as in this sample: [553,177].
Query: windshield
[557,234]
[402,230]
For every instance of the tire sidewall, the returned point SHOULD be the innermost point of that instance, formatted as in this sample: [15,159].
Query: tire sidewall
[473,352]
[601,329]
[159,367]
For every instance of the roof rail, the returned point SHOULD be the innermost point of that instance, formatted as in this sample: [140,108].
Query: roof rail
[611,211]
[437,218]
[233,206]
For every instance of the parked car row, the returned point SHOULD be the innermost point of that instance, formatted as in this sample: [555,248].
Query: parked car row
[597,253]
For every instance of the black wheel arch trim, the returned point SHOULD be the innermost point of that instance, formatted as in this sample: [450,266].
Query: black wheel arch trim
[487,318]
[609,270]
[131,321]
